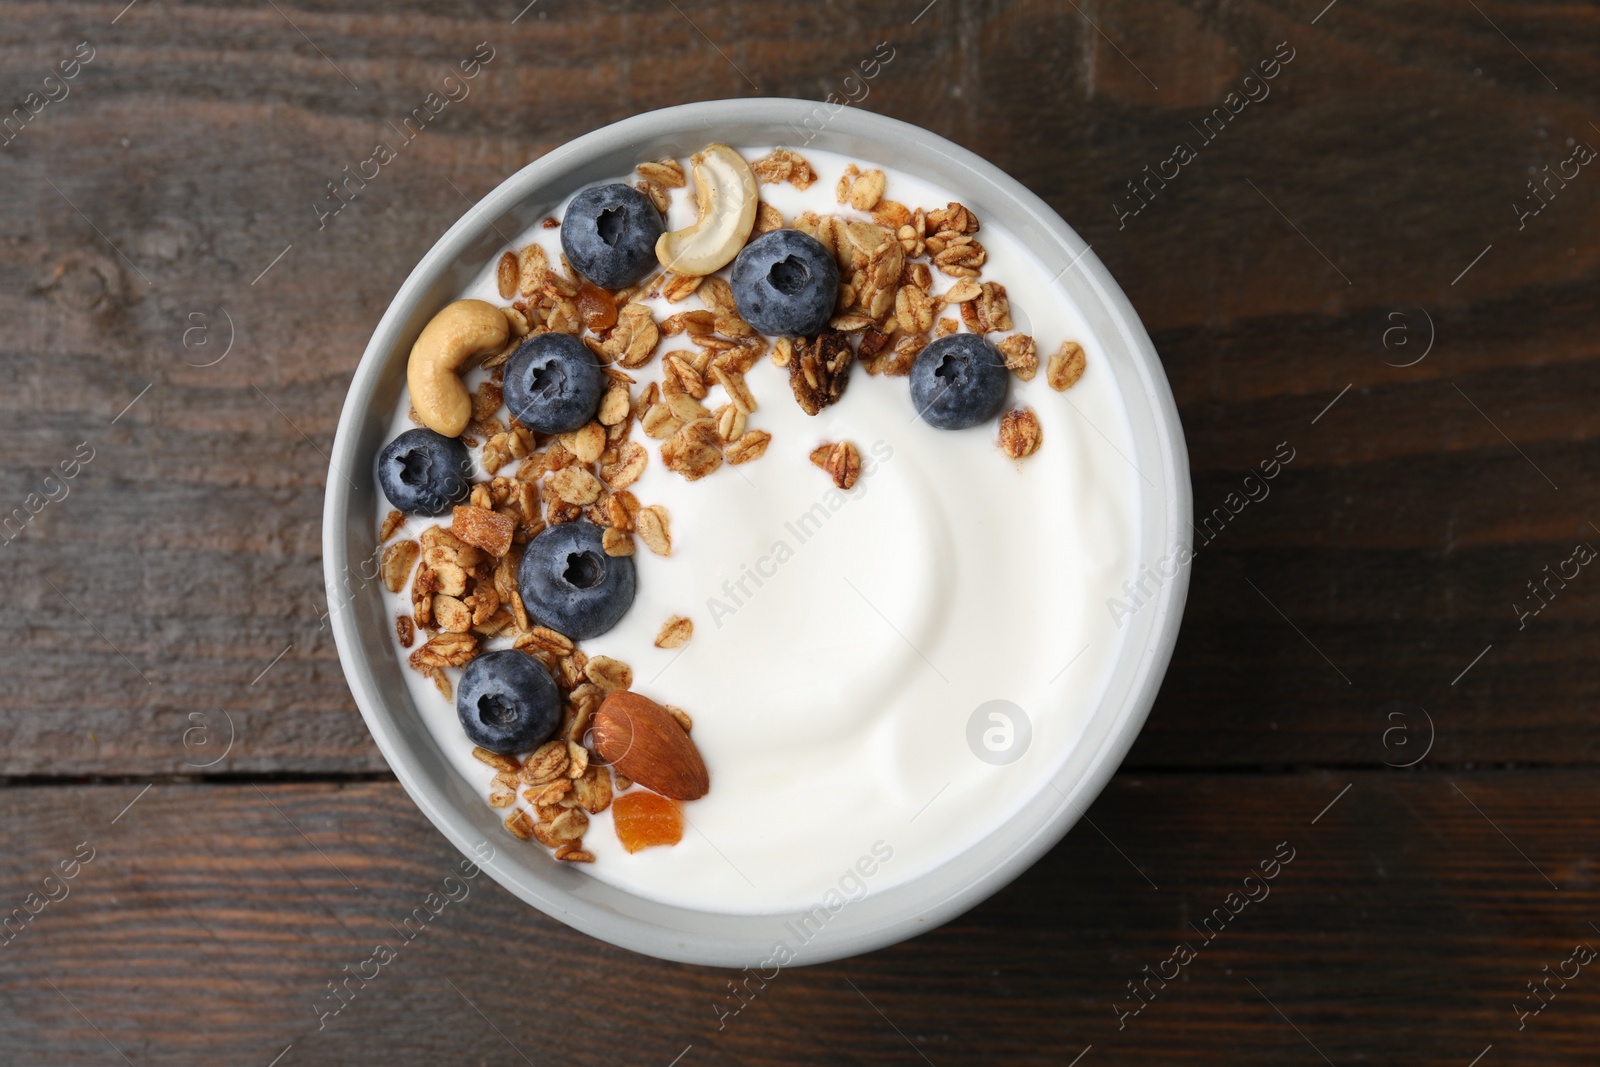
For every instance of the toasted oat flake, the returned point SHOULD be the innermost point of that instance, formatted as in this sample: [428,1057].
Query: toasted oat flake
[520,823]
[629,464]
[609,674]
[568,826]
[679,287]
[867,190]
[666,172]
[843,464]
[1066,366]
[730,423]
[615,406]
[593,789]
[694,451]
[616,542]
[784,165]
[682,716]
[451,615]
[1022,355]
[768,218]
[547,763]
[405,630]
[657,193]
[655,529]
[1020,434]
[782,350]
[586,443]
[750,445]
[398,559]
[391,522]
[675,632]
[494,759]
[444,650]
[575,485]
[737,388]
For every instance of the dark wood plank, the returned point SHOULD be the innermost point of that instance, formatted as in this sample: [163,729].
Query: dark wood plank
[194,146]
[1403,929]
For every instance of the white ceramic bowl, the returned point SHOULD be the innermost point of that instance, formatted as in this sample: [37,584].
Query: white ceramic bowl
[364,635]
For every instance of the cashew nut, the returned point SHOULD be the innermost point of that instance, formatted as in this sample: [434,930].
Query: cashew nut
[454,339]
[725,188]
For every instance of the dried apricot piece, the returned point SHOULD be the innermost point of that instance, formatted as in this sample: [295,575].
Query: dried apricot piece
[643,819]
[597,307]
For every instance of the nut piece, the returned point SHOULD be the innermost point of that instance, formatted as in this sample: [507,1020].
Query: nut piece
[1066,366]
[726,191]
[451,342]
[819,371]
[1020,433]
[638,737]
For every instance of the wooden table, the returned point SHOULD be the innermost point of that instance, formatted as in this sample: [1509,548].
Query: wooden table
[1344,268]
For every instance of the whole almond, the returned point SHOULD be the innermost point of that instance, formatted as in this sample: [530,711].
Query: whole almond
[643,741]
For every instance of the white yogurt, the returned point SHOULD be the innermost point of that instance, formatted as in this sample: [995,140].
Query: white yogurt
[843,640]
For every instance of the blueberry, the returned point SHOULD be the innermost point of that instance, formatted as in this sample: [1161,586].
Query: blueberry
[425,473]
[507,702]
[958,381]
[553,383]
[609,235]
[785,283]
[568,583]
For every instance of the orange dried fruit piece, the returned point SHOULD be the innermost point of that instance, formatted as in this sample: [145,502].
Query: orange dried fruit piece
[643,819]
[597,307]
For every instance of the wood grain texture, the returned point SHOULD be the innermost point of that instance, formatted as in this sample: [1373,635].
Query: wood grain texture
[210,919]
[173,598]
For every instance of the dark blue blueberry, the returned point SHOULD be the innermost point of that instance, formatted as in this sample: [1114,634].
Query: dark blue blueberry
[568,583]
[609,235]
[553,383]
[785,283]
[425,473]
[958,381]
[507,702]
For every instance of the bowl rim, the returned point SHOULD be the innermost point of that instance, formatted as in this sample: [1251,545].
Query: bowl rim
[575,907]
